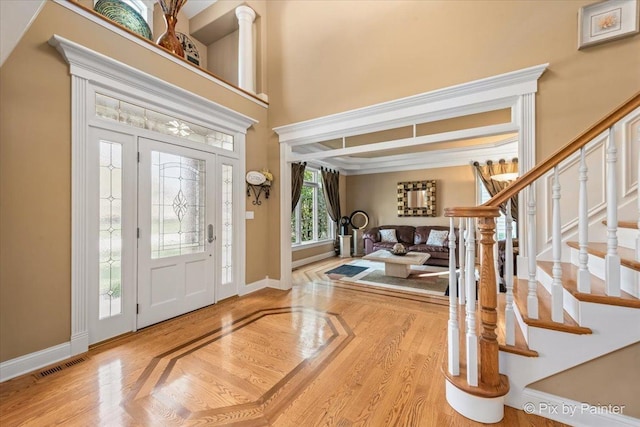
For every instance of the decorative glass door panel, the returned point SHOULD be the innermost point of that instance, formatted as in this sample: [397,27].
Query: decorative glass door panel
[110,243]
[178,203]
[227,230]
[227,225]
[176,215]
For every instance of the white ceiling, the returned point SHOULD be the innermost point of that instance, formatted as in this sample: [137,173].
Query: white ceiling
[194,7]
[15,18]
[419,157]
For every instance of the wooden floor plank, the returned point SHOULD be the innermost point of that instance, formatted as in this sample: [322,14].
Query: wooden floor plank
[342,355]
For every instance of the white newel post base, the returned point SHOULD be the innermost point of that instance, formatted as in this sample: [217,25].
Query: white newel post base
[480,409]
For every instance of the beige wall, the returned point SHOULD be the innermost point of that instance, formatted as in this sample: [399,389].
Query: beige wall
[35,156]
[330,56]
[220,53]
[376,194]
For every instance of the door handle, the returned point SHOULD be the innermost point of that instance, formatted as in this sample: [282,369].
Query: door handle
[210,237]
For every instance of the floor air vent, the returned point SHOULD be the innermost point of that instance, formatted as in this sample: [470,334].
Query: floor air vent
[53,369]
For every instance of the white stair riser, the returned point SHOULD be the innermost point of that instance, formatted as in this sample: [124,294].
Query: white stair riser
[559,351]
[570,304]
[627,237]
[521,323]
[628,277]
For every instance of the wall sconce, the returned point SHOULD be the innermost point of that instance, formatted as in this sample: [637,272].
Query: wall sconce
[257,184]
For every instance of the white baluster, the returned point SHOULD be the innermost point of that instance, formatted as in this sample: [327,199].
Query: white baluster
[638,186]
[453,328]
[509,316]
[462,254]
[556,243]
[472,338]
[532,292]
[495,258]
[584,278]
[612,259]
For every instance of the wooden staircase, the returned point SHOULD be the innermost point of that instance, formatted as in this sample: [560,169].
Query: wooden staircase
[577,306]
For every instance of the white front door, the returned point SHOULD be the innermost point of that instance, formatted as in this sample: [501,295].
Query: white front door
[176,214]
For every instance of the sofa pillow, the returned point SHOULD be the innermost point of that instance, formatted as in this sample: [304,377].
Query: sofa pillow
[388,236]
[437,237]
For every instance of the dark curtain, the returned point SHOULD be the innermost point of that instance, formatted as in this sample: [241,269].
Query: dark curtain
[331,190]
[494,187]
[297,179]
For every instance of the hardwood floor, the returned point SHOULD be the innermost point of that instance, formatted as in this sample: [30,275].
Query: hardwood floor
[324,353]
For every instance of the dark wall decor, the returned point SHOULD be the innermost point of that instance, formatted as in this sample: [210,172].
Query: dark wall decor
[417,198]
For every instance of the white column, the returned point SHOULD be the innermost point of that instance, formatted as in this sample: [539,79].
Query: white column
[556,242]
[246,55]
[80,277]
[453,327]
[612,259]
[584,278]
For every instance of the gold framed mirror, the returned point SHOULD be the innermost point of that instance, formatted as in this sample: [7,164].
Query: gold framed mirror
[417,198]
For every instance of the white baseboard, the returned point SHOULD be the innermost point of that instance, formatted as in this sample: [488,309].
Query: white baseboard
[252,287]
[273,283]
[32,361]
[575,413]
[319,257]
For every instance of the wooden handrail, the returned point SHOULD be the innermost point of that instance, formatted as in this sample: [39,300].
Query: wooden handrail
[580,141]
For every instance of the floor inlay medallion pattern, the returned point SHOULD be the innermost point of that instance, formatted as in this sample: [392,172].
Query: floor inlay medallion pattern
[233,384]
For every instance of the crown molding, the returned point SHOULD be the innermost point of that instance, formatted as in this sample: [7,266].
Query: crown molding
[99,68]
[488,94]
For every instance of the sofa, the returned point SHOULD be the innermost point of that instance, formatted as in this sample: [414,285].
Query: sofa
[414,238]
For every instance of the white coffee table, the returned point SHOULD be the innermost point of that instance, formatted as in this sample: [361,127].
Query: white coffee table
[396,265]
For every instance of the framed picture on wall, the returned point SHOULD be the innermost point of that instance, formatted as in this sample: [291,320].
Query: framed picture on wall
[607,20]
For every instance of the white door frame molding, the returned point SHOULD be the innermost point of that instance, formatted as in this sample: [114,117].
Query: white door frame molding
[90,70]
[515,90]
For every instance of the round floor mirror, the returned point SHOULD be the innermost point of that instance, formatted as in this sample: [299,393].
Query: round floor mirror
[359,220]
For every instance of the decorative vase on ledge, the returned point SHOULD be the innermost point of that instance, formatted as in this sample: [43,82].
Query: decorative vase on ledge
[169,40]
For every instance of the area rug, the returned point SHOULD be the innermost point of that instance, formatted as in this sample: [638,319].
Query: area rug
[434,282]
[345,270]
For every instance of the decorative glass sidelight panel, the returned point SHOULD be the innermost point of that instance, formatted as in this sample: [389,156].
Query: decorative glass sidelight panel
[132,115]
[227,224]
[177,205]
[110,241]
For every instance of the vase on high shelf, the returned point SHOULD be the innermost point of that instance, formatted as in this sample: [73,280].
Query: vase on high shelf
[169,40]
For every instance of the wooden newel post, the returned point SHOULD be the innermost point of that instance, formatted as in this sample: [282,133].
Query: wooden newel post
[489,368]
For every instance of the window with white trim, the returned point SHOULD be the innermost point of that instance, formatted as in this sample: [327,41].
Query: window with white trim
[484,196]
[310,221]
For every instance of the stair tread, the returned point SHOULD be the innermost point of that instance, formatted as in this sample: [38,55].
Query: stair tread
[520,288]
[481,390]
[520,347]
[597,295]
[599,249]
[625,224]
